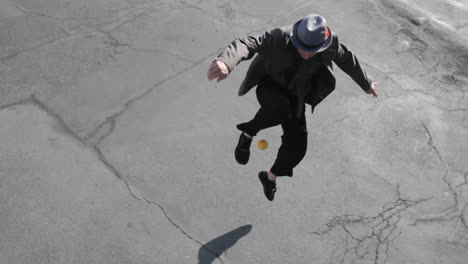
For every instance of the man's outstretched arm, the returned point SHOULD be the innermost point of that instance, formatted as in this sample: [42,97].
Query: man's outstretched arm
[239,50]
[348,62]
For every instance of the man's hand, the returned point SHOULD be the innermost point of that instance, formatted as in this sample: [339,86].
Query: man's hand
[218,70]
[373,89]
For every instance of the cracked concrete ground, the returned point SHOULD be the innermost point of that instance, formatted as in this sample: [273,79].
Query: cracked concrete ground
[116,149]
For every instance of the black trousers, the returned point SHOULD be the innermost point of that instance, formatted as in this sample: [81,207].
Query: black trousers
[278,108]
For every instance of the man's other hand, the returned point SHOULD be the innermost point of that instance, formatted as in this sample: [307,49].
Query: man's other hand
[218,70]
[373,89]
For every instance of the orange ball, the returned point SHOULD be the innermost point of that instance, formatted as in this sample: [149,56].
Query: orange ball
[262,144]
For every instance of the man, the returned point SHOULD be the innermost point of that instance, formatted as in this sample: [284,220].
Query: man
[293,67]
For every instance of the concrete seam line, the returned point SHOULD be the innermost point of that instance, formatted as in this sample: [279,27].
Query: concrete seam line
[116,115]
[33,100]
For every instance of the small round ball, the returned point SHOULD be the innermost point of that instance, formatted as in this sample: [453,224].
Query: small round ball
[262,144]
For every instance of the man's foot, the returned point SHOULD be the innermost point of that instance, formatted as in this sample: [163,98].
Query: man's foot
[242,151]
[269,187]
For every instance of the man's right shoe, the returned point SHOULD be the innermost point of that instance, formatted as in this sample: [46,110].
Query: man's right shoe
[242,151]
[269,187]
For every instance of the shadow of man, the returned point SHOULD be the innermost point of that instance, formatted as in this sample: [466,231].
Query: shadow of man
[213,249]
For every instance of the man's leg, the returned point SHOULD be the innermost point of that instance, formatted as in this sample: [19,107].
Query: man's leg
[290,153]
[275,108]
[293,147]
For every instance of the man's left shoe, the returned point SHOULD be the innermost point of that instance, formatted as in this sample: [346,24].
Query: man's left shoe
[269,187]
[242,152]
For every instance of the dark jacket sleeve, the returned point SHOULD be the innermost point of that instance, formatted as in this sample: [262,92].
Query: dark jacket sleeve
[245,48]
[348,62]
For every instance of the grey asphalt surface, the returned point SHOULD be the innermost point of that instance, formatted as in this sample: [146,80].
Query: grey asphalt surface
[117,149]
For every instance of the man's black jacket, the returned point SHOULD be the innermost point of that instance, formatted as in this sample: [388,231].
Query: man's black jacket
[274,59]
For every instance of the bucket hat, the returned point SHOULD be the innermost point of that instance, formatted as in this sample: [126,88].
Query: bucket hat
[311,34]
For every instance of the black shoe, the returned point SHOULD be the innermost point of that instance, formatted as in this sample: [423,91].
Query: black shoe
[269,187]
[242,152]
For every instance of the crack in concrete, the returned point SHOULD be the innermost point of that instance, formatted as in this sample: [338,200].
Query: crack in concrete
[297,6]
[448,109]
[14,54]
[34,101]
[417,52]
[116,172]
[143,10]
[465,180]
[114,42]
[403,21]
[57,117]
[446,218]
[19,102]
[131,9]
[458,213]
[375,242]
[443,75]
[28,12]
[117,114]
[211,251]
[112,120]
[220,17]
[343,118]
[242,9]
[455,243]
[134,13]
[393,73]
[165,52]
[404,15]
[392,77]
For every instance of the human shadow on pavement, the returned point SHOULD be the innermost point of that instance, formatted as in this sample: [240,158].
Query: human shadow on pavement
[214,248]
